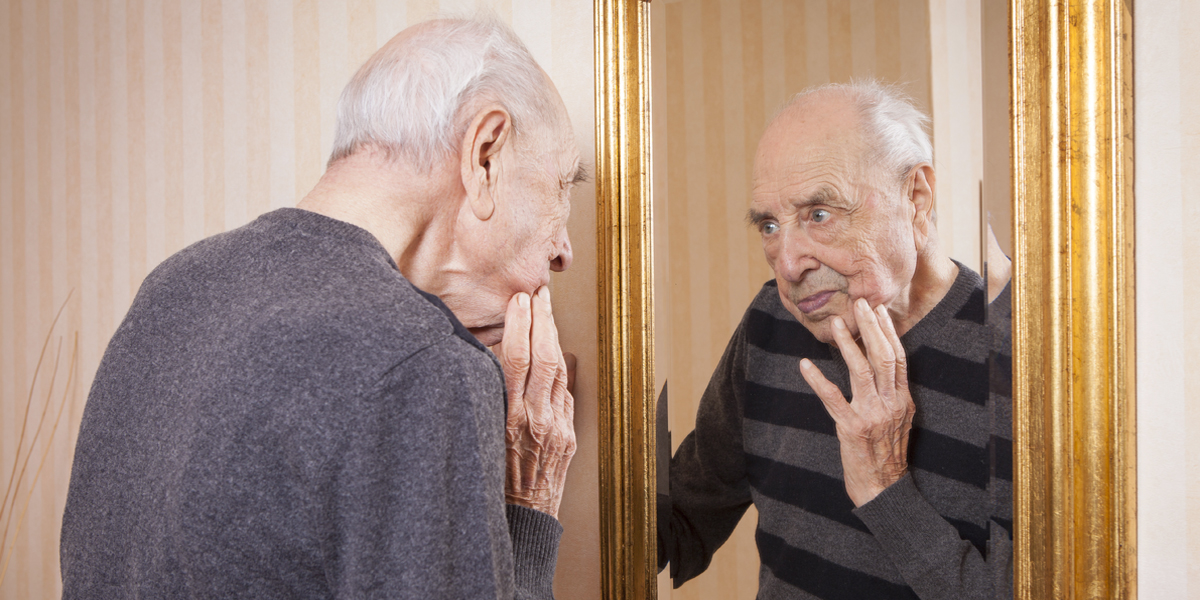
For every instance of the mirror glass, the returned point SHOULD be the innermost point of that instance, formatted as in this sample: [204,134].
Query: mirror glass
[720,71]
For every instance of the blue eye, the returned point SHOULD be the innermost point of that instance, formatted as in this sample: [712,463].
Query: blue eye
[769,228]
[820,215]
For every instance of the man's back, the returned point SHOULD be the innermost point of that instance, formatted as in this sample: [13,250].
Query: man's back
[282,414]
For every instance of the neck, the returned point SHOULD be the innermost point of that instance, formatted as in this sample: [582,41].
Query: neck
[406,208]
[934,276]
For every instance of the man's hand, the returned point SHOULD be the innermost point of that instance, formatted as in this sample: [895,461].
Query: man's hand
[541,412]
[873,428]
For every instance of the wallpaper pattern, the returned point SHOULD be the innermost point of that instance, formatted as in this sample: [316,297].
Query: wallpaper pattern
[132,128]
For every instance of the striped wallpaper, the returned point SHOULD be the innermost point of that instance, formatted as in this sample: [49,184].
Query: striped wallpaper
[132,128]
[720,70]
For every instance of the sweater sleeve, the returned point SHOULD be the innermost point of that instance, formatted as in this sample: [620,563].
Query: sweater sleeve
[929,552]
[411,502]
[709,491]
[931,556]
[535,537]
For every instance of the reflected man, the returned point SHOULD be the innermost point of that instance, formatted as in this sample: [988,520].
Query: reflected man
[306,407]
[852,406]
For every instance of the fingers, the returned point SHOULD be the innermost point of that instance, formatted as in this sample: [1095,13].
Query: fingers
[889,331]
[546,363]
[862,378]
[880,352]
[829,393]
[514,351]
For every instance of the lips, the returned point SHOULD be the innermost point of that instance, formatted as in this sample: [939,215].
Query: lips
[815,301]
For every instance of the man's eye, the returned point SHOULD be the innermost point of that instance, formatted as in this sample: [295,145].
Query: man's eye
[820,215]
[769,228]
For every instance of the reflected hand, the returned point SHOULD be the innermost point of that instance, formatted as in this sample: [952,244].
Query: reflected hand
[873,428]
[540,430]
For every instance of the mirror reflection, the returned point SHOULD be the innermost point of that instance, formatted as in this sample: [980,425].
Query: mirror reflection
[843,229]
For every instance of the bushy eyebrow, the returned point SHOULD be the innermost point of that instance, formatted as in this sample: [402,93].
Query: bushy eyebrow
[823,195]
[756,218]
[580,175]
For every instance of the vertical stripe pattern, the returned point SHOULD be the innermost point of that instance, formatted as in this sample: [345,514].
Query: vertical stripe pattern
[132,128]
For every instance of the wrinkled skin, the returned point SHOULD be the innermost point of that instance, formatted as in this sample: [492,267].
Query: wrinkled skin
[856,259]
[872,430]
[835,229]
[540,432]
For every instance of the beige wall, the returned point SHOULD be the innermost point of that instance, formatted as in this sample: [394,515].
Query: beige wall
[131,128]
[1167,212]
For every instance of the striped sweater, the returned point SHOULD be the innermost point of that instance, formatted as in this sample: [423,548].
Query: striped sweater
[762,436]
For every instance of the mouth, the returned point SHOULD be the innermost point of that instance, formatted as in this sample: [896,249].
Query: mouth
[814,302]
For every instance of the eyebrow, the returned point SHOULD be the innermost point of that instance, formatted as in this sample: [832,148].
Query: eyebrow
[756,218]
[579,176]
[824,195]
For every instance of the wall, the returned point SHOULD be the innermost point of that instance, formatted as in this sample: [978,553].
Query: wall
[1166,42]
[131,128]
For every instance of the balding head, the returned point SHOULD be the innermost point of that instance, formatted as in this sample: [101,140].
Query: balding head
[844,196]
[416,94]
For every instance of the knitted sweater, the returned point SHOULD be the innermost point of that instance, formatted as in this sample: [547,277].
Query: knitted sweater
[762,436]
[283,415]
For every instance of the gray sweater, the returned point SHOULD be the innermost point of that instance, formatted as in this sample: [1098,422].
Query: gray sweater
[763,437]
[283,415]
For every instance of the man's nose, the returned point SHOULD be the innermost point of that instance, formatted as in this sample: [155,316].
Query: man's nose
[562,262]
[795,256]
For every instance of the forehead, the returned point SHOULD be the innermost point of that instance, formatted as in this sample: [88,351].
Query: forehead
[798,158]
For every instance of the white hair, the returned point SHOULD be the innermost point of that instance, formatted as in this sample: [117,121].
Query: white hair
[412,98]
[892,126]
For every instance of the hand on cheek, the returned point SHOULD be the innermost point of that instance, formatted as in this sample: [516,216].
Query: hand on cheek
[540,431]
[873,427]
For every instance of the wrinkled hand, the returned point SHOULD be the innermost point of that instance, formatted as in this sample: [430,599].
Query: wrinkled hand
[540,431]
[873,428]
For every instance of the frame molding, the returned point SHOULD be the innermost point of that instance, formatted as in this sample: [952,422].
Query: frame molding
[626,276]
[1073,326]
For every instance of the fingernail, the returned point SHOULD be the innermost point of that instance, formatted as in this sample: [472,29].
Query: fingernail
[882,310]
[544,293]
[805,364]
[863,306]
[523,300]
[837,322]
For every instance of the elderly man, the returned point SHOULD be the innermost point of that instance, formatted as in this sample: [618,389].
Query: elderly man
[306,407]
[852,406]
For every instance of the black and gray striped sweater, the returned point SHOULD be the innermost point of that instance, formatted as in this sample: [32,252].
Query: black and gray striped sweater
[763,436]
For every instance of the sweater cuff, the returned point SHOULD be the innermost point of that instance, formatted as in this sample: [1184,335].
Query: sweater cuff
[535,537]
[907,526]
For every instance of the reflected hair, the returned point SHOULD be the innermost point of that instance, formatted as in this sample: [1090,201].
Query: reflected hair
[413,97]
[895,130]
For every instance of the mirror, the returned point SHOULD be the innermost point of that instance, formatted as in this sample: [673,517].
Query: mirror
[720,71]
[1072,320]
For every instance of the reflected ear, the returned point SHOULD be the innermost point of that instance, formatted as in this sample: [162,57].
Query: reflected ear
[486,136]
[921,186]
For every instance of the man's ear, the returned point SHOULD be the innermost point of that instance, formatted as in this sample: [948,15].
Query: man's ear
[920,189]
[485,137]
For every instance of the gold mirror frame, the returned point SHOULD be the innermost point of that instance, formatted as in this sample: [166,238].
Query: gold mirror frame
[1073,326]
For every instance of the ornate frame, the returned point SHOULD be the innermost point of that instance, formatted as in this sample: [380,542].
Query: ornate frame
[1073,330]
